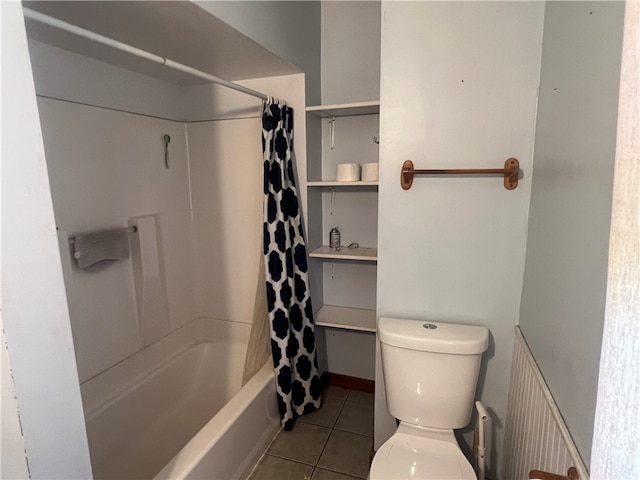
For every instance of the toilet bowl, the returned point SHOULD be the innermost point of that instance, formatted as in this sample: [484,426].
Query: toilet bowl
[430,371]
[411,453]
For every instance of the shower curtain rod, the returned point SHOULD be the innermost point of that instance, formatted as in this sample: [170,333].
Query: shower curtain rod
[68,27]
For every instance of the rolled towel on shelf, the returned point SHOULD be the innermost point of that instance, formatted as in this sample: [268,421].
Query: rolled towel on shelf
[94,250]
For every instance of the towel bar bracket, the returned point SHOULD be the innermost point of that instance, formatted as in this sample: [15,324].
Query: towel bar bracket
[510,173]
[131,229]
[572,474]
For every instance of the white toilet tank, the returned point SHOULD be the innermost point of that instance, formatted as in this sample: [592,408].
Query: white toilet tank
[431,370]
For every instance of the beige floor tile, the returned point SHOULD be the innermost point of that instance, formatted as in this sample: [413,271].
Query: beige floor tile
[347,453]
[322,474]
[361,397]
[327,415]
[302,444]
[356,418]
[274,468]
[339,392]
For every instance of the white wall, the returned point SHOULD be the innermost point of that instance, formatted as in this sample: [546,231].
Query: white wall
[34,309]
[350,51]
[105,168]
[101,84]
[458,89]
[226,185]
[227,216]
[616,439]
[290,29]
[565,276]
[12,452]
[348,352]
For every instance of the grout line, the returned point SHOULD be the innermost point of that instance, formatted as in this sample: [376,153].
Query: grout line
[344,402]
[342,399]
[301,462]
[324,446]
[359,402]
[273,440]
[354,433]
[331,431]
[342,473]
[315,466]
[335,422]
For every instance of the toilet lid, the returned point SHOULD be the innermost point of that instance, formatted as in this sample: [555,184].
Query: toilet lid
[408,456]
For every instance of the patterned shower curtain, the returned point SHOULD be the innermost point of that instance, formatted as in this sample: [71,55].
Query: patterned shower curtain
[293,344]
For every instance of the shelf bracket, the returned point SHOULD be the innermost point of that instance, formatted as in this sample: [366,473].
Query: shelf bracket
[510,173]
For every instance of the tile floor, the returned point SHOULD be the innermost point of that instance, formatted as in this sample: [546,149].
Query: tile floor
[332,443]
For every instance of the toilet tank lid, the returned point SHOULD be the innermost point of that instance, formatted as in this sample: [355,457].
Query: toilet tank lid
[434,337]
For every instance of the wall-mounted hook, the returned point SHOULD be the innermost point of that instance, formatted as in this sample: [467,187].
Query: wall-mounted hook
[332,130]
[375,139]
[166,139]
[333,200]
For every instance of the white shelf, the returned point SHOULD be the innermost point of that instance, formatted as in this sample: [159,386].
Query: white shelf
[347,318]
[334,183]
[345,109]
[362,254]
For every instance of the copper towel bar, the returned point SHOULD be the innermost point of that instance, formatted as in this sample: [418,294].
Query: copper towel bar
[510,172]
[572,474]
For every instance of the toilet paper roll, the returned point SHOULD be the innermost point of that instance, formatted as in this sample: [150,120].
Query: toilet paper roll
[369,172]
[348,172]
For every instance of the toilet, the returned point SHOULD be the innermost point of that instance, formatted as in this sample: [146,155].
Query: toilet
[430,373]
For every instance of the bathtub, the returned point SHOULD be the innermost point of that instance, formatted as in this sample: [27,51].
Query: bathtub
[177,409]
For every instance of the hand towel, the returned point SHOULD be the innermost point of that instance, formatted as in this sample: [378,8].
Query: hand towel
[91,249]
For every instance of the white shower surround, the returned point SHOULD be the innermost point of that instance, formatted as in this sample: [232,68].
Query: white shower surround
[177,408]
[106,169]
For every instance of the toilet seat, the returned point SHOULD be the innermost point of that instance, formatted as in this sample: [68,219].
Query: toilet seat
[406,456]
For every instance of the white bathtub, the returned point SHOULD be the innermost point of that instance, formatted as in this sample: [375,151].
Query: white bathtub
[177,409]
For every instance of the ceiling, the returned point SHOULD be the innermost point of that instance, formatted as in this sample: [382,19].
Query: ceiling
[181,31]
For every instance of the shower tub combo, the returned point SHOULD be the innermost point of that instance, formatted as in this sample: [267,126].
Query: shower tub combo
[177,409]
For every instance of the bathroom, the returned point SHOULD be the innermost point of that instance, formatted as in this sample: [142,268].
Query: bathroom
[478,228]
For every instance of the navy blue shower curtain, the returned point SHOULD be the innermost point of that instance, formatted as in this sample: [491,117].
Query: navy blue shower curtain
[293,344]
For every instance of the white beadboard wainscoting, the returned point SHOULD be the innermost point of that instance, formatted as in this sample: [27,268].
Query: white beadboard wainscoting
[536,437]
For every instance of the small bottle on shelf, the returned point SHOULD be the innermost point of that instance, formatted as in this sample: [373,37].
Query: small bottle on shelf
[334,238]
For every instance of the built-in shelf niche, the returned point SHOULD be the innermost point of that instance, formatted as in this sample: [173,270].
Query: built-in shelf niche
[348,274]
